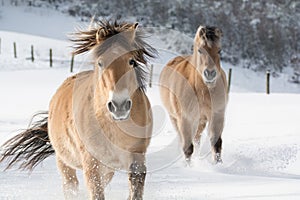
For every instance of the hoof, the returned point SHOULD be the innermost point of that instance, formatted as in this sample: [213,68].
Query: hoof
[188,152]
[217,158]
[188,160]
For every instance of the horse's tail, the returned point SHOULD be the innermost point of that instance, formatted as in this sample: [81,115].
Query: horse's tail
[30,147]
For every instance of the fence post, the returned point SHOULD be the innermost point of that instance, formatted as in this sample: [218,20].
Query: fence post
[229,80]
[72,63]
[32,53]
[268,82]
[50,52]
[151,74]
[15,50]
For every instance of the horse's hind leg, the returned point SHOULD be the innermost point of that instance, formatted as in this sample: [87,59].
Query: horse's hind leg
[215,131]
[70,181]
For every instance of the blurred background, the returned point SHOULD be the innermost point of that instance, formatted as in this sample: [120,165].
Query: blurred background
[258,34]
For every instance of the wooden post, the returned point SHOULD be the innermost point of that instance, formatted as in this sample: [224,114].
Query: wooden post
[32,53]
[50,52]
[229,80]
[15,50]
[72,63]
[151,74]
[268,82]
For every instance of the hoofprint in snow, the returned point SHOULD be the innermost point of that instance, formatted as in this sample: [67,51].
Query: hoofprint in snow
[261,137]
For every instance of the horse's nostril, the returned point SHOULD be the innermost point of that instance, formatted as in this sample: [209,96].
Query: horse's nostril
[210,74]
[206,73]
[110,106]
[128,104]
[114,107]
[213,73]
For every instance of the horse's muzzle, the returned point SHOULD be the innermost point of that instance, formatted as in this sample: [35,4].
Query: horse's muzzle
[209,76]
[119,111]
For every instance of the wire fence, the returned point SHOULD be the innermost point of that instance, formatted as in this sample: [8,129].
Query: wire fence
[51,59]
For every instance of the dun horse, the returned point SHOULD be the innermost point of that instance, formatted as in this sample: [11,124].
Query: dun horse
[193,90]
[99,120]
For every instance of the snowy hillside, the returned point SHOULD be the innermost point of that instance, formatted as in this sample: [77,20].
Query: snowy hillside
[257,34]
[261,136]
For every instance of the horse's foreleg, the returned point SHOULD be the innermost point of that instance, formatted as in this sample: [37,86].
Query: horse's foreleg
[70,181]
[201,127]
[183,129]
[96,177]
[137,175]
[186,132]
[215,131]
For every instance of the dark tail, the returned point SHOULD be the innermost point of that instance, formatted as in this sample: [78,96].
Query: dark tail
[29,148]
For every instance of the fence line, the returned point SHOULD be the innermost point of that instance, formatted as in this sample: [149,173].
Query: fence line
[72,62]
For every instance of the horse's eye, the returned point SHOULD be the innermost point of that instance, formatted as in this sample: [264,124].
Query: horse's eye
[199,50]
[100,63]
[132,62]
[220,52]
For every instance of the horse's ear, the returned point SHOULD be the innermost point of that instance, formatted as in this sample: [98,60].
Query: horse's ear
[100,34]
[219,32]
[136,25]
[133,29]
[92,23]
[202,31]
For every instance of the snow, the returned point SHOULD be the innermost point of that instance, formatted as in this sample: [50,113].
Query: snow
[40,21]
[261,157]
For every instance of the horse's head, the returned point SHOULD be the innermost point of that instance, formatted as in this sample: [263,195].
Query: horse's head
[120,64]
[207,49]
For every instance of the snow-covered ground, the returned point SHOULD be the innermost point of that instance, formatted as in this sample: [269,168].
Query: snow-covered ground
[261,137]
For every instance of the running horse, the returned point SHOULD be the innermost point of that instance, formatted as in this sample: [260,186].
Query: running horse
[100,120]
[194,91]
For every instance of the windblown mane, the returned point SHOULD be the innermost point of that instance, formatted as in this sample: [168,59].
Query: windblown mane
[104,34]
[86,40]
